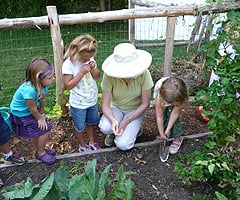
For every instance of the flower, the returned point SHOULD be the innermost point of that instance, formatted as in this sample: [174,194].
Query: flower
[172,4]
[204,21]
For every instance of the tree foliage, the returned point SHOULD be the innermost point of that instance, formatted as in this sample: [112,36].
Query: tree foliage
[30,8]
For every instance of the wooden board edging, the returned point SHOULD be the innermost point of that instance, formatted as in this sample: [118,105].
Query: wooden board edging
[111,149]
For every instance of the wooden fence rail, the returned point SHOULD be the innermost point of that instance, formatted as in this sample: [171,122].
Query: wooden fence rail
[68,19]
[53,20]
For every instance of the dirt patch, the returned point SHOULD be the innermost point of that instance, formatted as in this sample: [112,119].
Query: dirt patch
[153,179]
[63,139]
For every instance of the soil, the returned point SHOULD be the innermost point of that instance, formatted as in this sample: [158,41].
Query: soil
[153,179]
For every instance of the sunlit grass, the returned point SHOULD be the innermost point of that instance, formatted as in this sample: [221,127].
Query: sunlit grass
[18,47]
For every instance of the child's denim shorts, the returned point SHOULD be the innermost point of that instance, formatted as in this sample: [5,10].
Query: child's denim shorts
[4,131]
[83,117]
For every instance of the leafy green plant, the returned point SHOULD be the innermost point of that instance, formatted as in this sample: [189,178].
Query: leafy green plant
[85,186]
[217,163]
[198,197]
[75,169]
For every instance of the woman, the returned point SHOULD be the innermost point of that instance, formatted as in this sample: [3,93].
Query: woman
[126,93]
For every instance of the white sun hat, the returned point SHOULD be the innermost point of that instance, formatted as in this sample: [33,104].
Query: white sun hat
[126,61]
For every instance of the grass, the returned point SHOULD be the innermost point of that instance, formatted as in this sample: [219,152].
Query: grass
[18,47]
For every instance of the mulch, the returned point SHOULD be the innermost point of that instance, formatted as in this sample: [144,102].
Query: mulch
[153,179]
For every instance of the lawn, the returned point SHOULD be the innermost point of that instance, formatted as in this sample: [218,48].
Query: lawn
[18,47]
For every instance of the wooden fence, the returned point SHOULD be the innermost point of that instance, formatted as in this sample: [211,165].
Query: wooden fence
[53,20]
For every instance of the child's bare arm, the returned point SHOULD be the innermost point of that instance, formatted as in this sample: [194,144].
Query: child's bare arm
[33,109]
[70,81]
[94,70]
[173,117]
[42,105]
[159,115]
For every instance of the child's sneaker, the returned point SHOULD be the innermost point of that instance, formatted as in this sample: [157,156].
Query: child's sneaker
[15,159]
[84,148]
[175,146]
[94,146]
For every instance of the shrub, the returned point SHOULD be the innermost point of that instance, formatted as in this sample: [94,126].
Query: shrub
[218,161]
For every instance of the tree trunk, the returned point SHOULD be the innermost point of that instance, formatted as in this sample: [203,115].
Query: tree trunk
[102,5]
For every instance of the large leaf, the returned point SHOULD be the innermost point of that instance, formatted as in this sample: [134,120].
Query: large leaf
[86,184]
[79,188]
[220,196]
[92,177]
[230,139]
[61,180]
[103,183]
[211,168]
[20,190]
[44,190]
[124,187]
[54,194]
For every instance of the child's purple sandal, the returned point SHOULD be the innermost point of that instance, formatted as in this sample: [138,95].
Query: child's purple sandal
[51,152]
[46,158]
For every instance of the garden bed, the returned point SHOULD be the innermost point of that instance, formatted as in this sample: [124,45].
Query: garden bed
[153,179]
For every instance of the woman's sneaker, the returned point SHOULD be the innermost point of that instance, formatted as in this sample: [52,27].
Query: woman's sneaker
[140,132]
[84,148]
[109,140]
[15,159]
[94,146]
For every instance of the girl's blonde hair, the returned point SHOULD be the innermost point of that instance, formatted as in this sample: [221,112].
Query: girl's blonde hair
[81,45]
[174,90]
[36,70]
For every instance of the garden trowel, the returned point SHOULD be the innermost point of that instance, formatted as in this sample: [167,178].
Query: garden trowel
[163,150]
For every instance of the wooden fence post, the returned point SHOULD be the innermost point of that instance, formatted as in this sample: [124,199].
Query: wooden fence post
[58,49]
[131,26]
[169,46]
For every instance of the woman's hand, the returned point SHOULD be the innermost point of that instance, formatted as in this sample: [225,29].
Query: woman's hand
[116,128]
[123,124]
